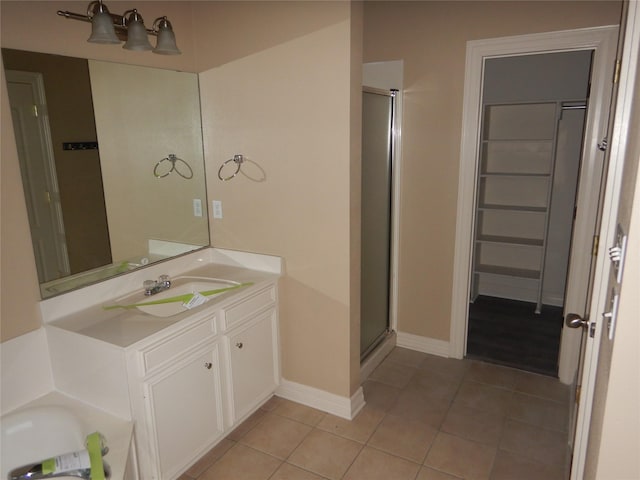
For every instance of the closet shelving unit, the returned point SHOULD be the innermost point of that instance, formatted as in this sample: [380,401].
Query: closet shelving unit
[515,180]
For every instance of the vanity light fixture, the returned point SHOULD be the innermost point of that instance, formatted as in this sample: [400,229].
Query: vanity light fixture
[110,28]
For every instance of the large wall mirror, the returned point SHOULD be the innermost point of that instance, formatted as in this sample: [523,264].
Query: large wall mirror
[112,165]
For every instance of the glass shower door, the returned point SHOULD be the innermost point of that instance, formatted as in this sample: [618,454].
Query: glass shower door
[377,118]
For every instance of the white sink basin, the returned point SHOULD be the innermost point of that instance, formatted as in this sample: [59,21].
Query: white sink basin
[39,433]
[174,300]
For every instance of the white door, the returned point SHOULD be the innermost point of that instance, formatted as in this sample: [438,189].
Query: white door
[37,166]
[606,281]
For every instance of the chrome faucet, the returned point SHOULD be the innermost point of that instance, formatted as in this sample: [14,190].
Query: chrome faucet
[151,287]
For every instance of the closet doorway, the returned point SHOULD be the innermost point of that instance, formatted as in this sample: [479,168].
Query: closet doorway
[602,42]
[532,124]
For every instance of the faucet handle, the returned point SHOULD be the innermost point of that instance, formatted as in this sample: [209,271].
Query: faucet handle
[148,285]
[164,280]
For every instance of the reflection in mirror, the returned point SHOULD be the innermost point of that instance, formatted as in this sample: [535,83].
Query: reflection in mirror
[90,135]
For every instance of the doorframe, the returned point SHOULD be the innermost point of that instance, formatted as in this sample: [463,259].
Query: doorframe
[603,41]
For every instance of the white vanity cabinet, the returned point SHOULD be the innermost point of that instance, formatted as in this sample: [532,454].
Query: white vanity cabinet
[185,380]
[193,384]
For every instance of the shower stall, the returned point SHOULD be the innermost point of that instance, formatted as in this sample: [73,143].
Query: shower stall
[378,110]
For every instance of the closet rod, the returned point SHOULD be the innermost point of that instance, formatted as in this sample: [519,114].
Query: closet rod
[574,107]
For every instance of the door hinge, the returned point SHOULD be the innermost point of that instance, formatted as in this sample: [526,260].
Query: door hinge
[616,71]
[604,143]
[596,242]
[34,110]
[578,392]
[47,197]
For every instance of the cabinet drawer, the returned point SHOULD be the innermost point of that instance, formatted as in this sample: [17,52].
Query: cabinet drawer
[244,309]
[164,350]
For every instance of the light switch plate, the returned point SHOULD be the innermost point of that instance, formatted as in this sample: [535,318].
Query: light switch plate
[197,207]
[217,208]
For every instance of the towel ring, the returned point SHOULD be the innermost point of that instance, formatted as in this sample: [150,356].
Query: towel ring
[173,160]
[238,160]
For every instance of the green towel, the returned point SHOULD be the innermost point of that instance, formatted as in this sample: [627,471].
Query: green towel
[178,298]
[94,447]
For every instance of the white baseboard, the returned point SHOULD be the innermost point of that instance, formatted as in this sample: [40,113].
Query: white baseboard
[432,346]
[342,407]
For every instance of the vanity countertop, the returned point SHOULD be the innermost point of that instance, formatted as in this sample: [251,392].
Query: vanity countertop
[125,327]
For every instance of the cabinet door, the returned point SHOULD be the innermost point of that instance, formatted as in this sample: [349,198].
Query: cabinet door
[185,410]
[254,363]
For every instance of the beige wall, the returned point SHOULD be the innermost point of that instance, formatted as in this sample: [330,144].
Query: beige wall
[286,106]
[431,39]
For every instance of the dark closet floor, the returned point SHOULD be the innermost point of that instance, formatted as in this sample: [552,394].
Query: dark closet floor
[508,332]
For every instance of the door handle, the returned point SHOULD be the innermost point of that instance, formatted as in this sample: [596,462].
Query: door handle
[573,320]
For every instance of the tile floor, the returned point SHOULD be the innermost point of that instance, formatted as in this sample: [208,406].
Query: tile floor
[426,418]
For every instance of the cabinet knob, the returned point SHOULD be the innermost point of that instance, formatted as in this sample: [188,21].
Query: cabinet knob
[239,345]
[208,365]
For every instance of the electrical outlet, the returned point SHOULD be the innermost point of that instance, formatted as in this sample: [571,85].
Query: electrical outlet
[197,207]
[217,208]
